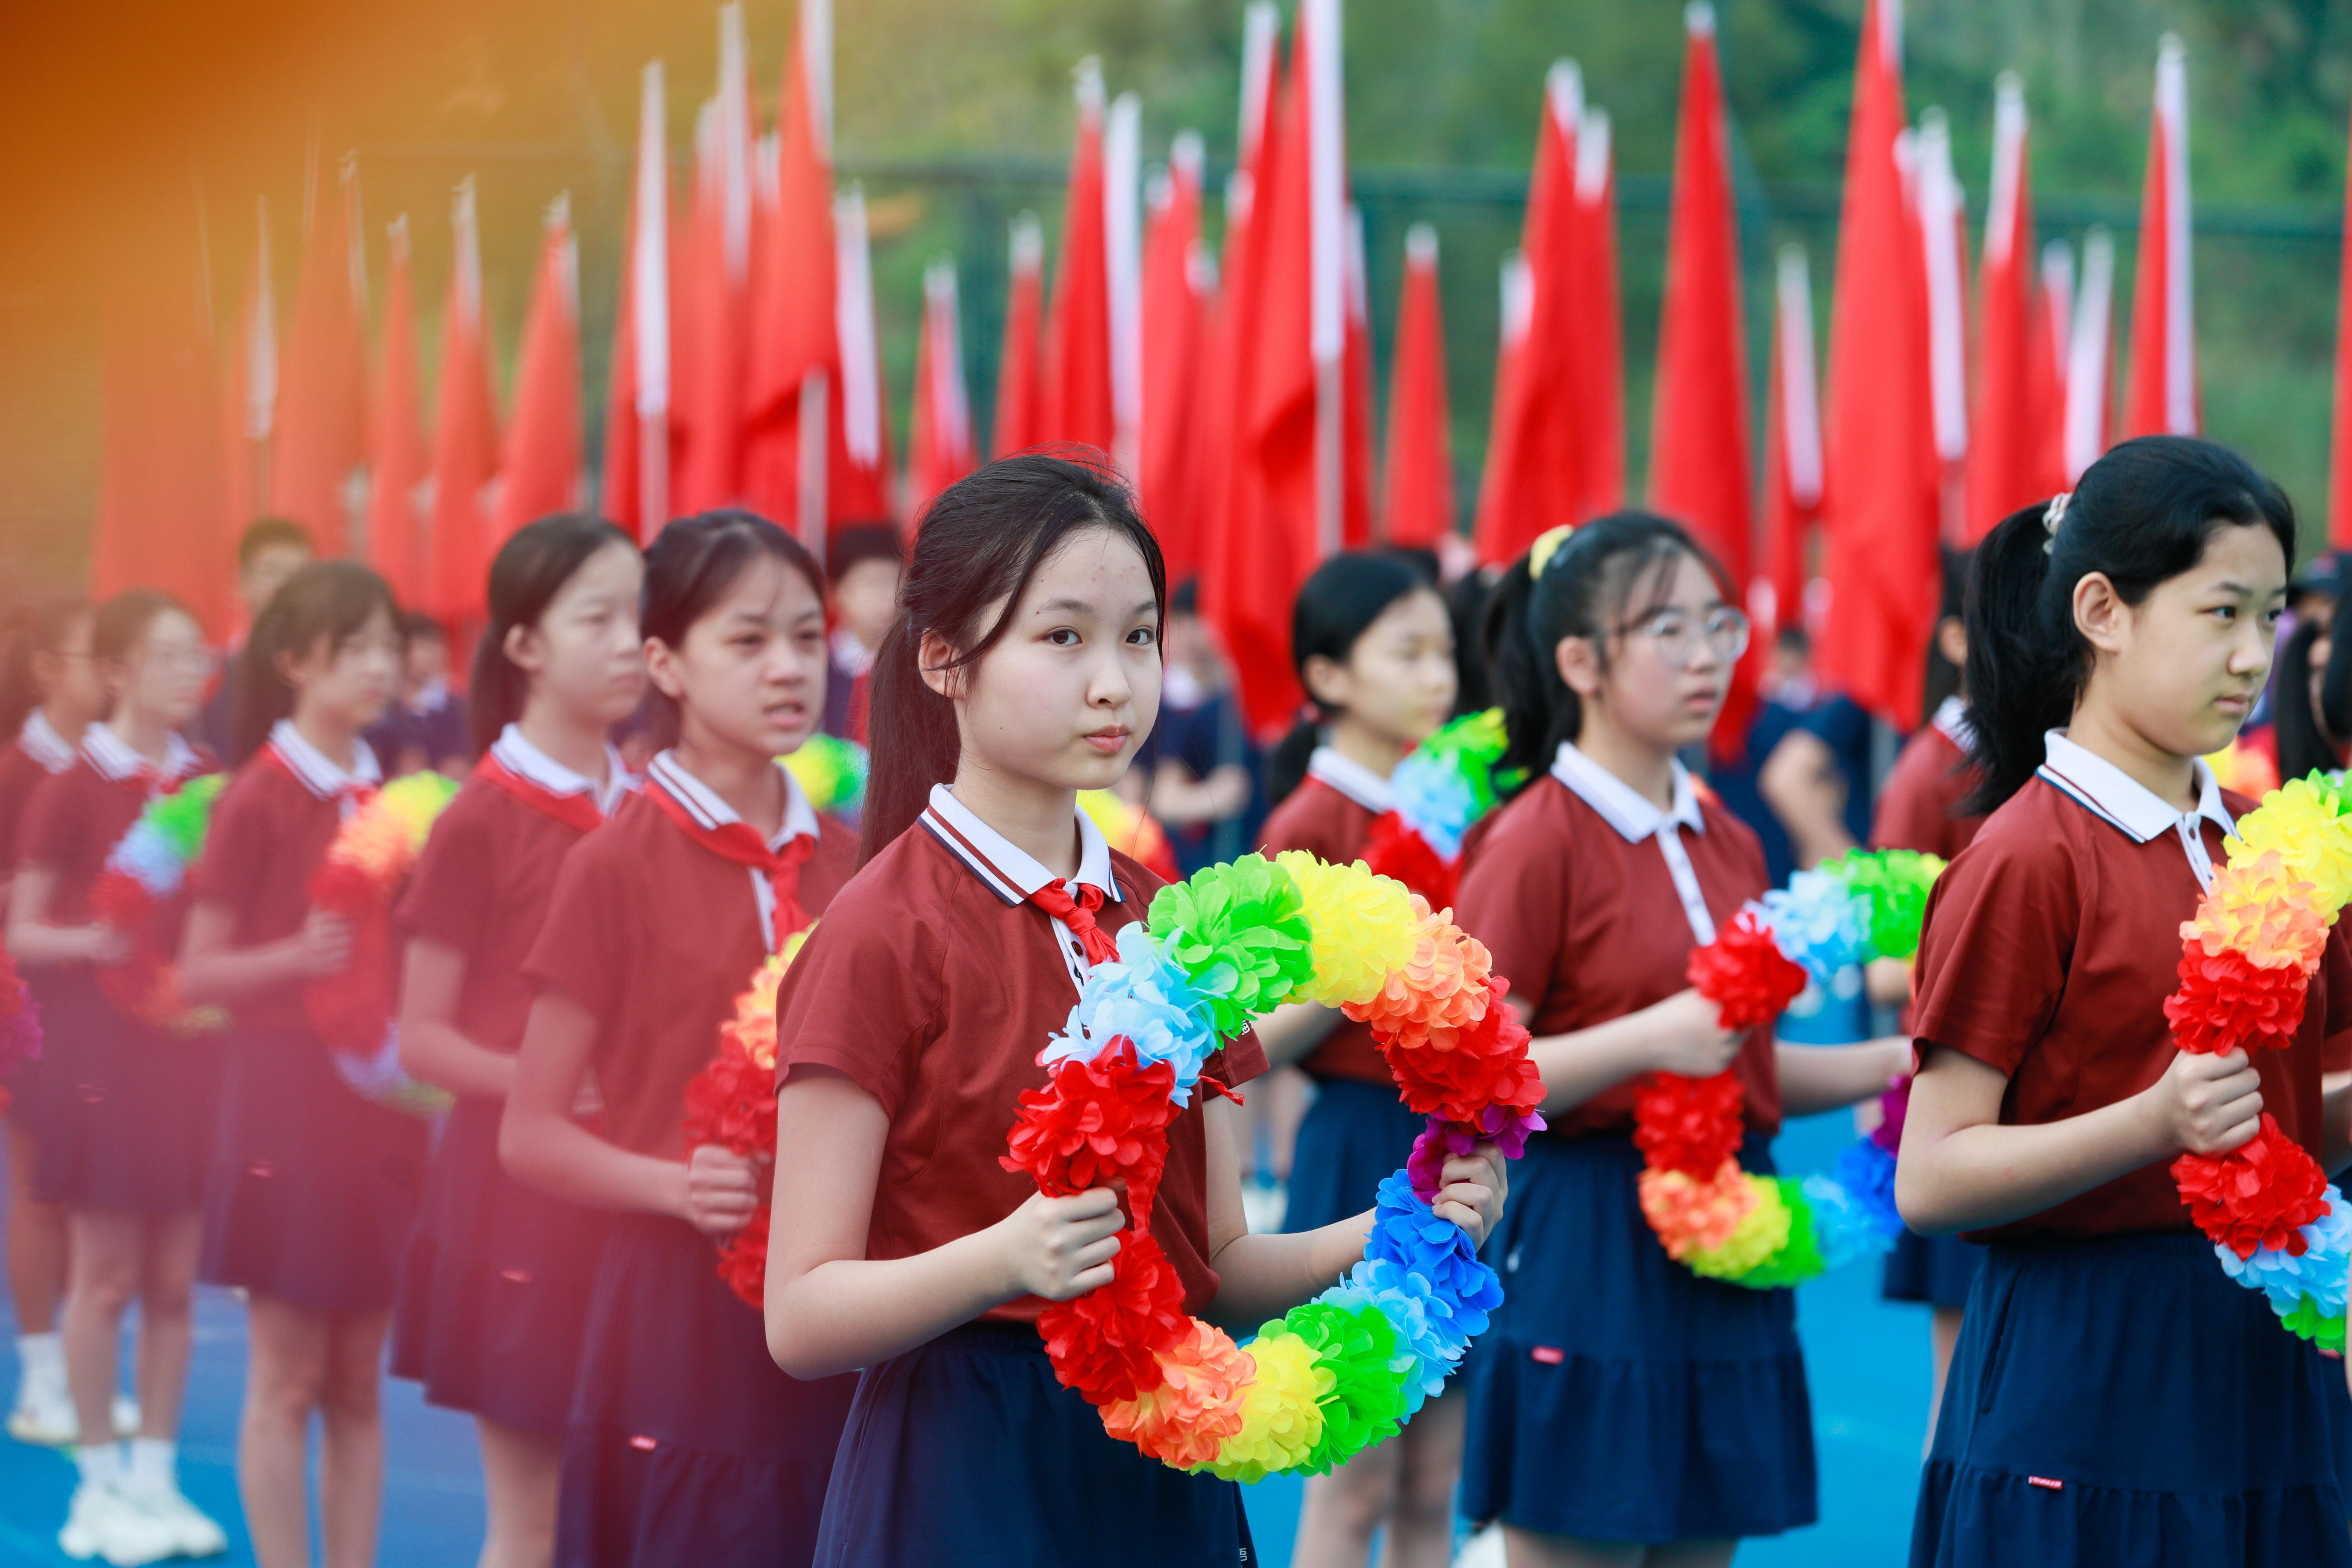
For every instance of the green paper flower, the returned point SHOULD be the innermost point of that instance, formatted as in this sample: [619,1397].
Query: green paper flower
[1800,1257]
[2327,1334]
[1239,932]
[1895,883]
[1366,1403]
[182,815]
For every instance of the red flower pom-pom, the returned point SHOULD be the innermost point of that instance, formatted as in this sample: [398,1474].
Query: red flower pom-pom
[2256,1195]
[2226,1001]
[1393,849]
[350,1010]
[1104,1343]
[743,1259]
[731,1102]
[1098,1123]
[1744,973]
[1688,1124]
[1485,1064]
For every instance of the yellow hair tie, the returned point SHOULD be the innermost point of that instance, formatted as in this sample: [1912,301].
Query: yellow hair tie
[1546,546]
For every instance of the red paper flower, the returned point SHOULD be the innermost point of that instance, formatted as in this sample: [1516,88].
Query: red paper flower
[2226,1001]
[1688,1124]
[1097,1123]
[1456,1078]
[2256,1195]
[351,1010]
[731,1102]
[743,1259]
[1744,973]
[1393,849]
[1104,1343]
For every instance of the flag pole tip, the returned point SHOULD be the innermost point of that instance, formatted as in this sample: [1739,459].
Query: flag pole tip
[1420,243]
[2009,85]
[1934,122]
[1698,20]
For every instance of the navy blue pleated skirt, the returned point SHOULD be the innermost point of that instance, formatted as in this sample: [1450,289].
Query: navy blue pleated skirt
[968,1452]
[2122,1401]
[1936,1269]
[313,1188]
[494,1288]
[687,1445]
[132,1112]
[1617,1396]
[1354,1137]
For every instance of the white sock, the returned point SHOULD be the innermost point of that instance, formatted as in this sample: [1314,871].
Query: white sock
[154,1463]
[100,1463]
[43,1356]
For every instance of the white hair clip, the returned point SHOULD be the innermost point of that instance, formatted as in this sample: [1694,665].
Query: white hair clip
[2052,516]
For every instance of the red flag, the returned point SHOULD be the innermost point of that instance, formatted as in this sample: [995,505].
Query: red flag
[321,442]
[465,434]
[1530,483]
[1356,399]
[1078,398]
[2162,397]
[1020,419]
[2090,366]
[938,444]
[1417,488]
[1176,287]
[395,524]
[1699,424]
[161,518]
[541,470]
[1596,336]
[858,487]
[251,408]
[2004,462]
[2053,314]
[1943,232]
[1792,449]
[1879,496]
[715,316]
[794,372]
[637,416]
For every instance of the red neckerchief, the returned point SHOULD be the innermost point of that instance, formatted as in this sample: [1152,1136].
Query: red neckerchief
[348,798]
[1078,914]
[739,842]
[578,810]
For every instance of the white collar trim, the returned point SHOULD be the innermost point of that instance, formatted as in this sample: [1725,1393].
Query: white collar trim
[520,757]
[1620,806]
[1952,718]
[702,802]
[39,740]
[310,764]
[115,761]
[1011,872]
[1352,779]
[2123,801]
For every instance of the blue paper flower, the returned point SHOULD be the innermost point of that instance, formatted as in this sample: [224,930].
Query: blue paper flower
[1866,1172]
[1148,1000]
[1409,1233]
[1434,798]
[149,858]
[1818,923]
[1844,1231]
[1425,1352]
[2319,1273]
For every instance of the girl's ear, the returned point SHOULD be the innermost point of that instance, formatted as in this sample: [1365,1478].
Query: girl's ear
[521,646]
[1578,661]
[1327,682]
[935,657]
[661,668]
[2100,613]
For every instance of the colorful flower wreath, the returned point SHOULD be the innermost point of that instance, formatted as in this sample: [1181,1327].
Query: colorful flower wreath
[831,771]
[731,1102]
[1345,1369]
[1766,1231]
[2277,1224]
[1445,786]
[20,1024]
[361,874]
[140,893]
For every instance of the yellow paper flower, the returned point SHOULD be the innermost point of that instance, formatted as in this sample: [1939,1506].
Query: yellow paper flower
[755,1024]
[1762,1231]
[1690,1215]
[2299,822]
[2265,913]
[1363,927]
[1282,1414]
[1436,992]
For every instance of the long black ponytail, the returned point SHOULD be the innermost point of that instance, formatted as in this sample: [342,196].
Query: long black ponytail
[1336,605]
[2140,516]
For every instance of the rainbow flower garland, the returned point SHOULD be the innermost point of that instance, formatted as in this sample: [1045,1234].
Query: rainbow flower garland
[361,875]
[731,1102]
[1440,791]
[832,770]
[144,874]
[2277,1224]
[1767,1231]
[20,1023]
[1340,1373]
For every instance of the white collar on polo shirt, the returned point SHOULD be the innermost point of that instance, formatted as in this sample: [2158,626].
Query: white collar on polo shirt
[703,802]
[1352,779]
[2129,805]
[310,764]
[520,757]
[38,739]
[114,759]
[1620,806]
[1011,872]
[1952,718]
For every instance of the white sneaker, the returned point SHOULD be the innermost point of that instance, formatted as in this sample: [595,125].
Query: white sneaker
[192,1529]
[43,1413]
[105,1522]
[126,1416]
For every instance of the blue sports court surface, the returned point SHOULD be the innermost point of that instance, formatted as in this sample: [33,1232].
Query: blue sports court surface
[1868,1362]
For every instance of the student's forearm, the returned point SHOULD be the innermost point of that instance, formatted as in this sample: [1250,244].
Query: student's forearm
[1979,1176]
[235,975]
[1578,1066]
[1262,1277]
[1293,1031]
[847,1313]
[554,1153]
[1822,1078]
[36,945]
[440,1054]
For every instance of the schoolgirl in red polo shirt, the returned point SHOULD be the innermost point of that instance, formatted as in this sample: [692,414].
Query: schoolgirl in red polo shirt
[49,693]
[1024,666]
[129,1139]
[1622,1406]
[2114,1397]
[685,1443]
[313,1187]
[1374,650]
[494,1288]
